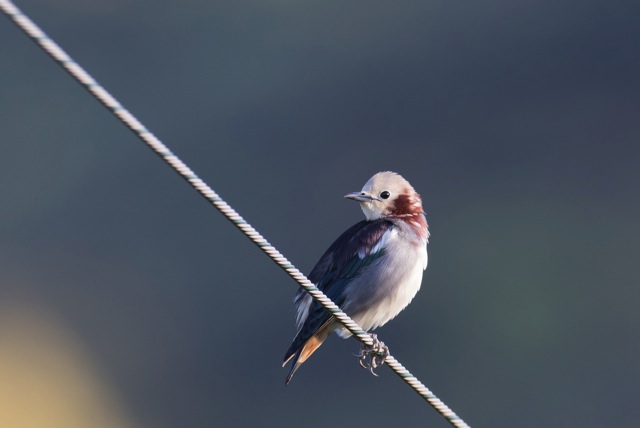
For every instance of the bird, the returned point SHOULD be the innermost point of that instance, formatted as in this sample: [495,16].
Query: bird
[372,271]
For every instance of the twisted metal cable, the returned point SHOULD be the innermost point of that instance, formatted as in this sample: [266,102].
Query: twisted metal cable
[58,54]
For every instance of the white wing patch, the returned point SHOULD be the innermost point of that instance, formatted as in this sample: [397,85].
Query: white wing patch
[382,242]
[302,307]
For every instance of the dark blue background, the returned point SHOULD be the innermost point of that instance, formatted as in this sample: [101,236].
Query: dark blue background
[517,121]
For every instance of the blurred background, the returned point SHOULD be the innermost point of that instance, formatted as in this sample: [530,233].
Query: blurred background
[127,301]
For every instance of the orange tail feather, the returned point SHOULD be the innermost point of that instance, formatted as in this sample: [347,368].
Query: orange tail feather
[306,350]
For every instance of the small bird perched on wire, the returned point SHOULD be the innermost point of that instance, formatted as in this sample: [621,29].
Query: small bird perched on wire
[372,271]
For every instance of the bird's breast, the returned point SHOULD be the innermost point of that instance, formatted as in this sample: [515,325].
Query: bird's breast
[386,287]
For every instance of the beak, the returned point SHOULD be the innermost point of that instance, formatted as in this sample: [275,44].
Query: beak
[360,197]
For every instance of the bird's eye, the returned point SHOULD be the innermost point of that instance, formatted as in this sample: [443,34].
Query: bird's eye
[385,195]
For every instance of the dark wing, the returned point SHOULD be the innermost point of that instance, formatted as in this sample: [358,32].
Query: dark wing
[353,251]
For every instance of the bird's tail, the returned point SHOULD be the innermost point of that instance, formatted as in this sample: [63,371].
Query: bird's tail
[305,351]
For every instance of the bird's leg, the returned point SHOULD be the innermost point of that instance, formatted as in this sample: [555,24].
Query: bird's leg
[377,352]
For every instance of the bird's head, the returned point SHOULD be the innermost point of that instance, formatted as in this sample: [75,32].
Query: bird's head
[387,194]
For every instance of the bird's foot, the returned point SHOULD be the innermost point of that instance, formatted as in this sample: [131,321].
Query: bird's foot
[376,353]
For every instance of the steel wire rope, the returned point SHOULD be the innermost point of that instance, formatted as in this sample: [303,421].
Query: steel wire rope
[101,94]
